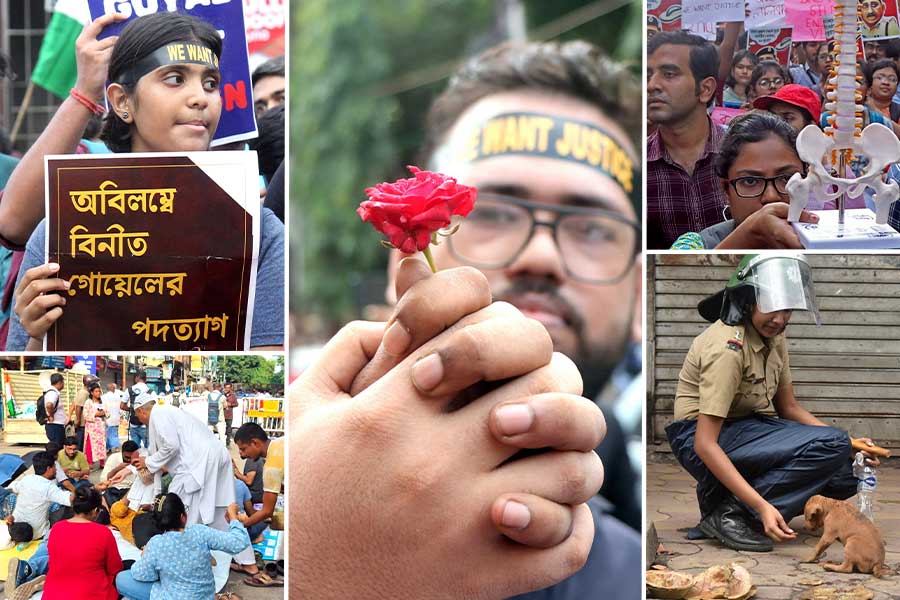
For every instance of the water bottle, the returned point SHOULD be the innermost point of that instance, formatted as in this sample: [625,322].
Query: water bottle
[865,489]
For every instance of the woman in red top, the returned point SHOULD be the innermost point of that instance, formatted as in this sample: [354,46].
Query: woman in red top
[84,558]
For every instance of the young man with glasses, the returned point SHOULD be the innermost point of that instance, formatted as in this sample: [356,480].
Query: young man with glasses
[683,192]
[547,133]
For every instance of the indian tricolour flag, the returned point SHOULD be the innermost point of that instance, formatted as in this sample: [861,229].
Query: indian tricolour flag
[55,70]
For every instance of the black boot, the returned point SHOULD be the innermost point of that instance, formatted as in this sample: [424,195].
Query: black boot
[730,524]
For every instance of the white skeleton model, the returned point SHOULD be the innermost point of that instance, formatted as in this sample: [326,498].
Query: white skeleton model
[842,138]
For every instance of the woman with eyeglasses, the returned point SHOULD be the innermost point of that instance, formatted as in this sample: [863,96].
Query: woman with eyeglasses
[882,79]
[756,160]
[768,77]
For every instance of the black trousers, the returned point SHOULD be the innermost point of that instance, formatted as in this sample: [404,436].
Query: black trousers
[786,462]
[79,435]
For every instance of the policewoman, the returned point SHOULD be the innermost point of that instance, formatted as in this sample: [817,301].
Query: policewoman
[754,472]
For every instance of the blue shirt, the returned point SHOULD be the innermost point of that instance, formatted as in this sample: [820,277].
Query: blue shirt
[267,328]
[241,493]
[178,562]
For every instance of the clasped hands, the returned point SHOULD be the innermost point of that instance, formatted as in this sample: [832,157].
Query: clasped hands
[407,477]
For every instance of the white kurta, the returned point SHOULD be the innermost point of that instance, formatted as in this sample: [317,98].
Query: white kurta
[198,462]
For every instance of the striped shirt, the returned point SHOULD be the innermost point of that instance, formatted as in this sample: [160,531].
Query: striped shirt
[677,202]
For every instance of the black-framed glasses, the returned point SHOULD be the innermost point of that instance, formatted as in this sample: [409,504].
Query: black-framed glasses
[753,186]
[596,246]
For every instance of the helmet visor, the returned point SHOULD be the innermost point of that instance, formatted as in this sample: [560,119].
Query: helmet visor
[784,284]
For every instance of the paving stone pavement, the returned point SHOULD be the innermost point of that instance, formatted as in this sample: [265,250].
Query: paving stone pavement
[672,508]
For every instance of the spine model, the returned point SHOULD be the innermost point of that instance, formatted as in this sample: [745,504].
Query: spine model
[844,136]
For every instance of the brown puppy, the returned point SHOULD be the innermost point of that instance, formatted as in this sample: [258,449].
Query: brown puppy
[863,548]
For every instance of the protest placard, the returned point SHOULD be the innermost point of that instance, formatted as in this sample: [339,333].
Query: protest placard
[765,14]
[878,19]
[807,18]
[160,250]
[238,120]
[265,27]
[770,44]
[694,12]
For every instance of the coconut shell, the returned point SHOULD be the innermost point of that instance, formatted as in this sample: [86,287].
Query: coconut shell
[729,582]
[668,584]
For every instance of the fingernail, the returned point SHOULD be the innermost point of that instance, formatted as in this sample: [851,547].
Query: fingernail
[514,419]
[53,267]
[396,339]
[515,515]
[428,372]
[66,284]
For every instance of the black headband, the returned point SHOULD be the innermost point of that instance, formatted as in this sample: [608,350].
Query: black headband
[170,54]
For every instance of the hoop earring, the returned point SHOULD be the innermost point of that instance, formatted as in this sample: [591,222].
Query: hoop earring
[726,212]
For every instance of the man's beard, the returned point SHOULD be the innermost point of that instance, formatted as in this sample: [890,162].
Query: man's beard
[596,361]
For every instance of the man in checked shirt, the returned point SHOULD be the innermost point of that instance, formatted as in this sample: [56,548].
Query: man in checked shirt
[683,191]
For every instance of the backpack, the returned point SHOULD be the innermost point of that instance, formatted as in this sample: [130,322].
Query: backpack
[40,412]
[132,395]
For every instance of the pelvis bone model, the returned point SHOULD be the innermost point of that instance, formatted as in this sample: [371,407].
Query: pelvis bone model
[842,138]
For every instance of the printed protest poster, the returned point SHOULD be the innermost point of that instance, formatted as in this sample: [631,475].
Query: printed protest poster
[807,18]
[238,120]
[160,250]
[711,11]
[878,19]
[770,44]
[664,14]
[264,21]
[765,14]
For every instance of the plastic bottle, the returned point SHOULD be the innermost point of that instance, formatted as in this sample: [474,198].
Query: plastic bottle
[865,489]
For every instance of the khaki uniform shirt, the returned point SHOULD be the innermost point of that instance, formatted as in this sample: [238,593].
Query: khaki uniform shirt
[731,372]
[81,397]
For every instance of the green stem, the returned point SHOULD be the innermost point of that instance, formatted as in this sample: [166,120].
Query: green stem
[429,258]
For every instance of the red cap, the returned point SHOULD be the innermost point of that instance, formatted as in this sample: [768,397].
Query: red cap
[795,95]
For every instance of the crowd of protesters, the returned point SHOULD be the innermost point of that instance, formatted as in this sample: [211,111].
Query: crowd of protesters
[711,185]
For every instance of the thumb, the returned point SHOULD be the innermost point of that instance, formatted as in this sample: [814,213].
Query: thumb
[331,374]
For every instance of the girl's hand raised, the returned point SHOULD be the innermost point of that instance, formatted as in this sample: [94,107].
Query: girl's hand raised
[92,56]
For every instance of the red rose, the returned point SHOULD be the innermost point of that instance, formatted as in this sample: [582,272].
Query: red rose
[409,211]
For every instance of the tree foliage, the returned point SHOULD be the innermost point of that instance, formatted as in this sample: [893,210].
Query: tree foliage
[251,370]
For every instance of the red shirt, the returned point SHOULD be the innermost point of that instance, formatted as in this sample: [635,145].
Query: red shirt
[84,561]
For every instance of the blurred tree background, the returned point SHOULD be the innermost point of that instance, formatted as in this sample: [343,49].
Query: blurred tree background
[362,76]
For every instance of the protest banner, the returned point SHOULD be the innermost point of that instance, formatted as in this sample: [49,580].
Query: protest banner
[765,14]
[711,11]
[770,44]
[160,250]
[666,12]
[238,120]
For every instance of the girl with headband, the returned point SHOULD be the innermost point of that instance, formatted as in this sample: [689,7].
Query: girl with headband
[164,97]
[177,563]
